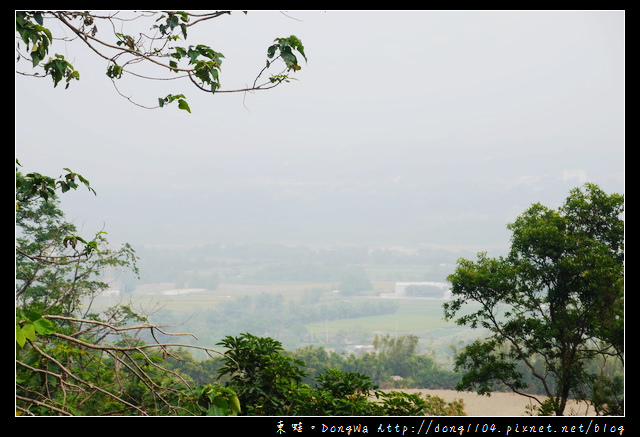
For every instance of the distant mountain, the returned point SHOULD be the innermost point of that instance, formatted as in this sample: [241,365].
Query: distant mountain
[408,193]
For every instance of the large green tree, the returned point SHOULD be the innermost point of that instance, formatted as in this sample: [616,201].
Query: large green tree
[555,303]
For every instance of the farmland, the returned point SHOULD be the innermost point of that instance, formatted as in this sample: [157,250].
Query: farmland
[192,310]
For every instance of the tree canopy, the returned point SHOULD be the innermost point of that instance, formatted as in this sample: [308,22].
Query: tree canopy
[554,306]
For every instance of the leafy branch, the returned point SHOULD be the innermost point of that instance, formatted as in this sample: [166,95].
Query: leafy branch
[36,186]
[136,54]
[36,337]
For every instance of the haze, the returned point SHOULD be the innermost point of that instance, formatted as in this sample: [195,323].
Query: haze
[405,128]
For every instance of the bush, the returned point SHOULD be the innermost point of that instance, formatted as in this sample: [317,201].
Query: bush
[269,383]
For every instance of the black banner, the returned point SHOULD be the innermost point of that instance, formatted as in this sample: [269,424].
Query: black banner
[434,426]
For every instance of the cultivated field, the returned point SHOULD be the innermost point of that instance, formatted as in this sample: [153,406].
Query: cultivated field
[499,404]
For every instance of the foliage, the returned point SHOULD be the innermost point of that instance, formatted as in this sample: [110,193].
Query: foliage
[338,393]
[55,268]
[424,291]
[556,300]
[262,376]
[141,53]
[215,400]
[34,186]
[268,382]
[397,403]
[71,360]
[395,364]
[268,314]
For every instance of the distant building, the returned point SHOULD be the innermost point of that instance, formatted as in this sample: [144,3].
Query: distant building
[360,349]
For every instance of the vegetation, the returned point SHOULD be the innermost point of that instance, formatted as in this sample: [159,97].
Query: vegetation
[269,314]
[392,364]
[269,382]
[554,306]
[71,360]
[156,51]
[260,263]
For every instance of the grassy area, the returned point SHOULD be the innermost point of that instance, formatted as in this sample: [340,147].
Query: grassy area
[417,316]
[412,316]
[178,303]
[163,297]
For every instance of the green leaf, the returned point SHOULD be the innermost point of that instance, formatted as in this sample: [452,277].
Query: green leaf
[215,410]
[182,104]
[44,326]
[235,407]
[29,332]
[21,338]
[33,315]
[114,71]
[38,17]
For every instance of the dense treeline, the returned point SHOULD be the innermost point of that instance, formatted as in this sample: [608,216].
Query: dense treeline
[270,314]
[270,381]
[392,364]
[207,265]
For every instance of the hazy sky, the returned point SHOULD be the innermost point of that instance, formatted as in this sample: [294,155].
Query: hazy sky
[404,127]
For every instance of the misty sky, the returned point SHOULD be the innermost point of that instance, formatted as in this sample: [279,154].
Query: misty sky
[404,128]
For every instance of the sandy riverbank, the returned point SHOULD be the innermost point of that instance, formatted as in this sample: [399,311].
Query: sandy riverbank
[498,404]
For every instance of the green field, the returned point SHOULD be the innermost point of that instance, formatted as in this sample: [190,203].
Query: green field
[422,317]
[412,316]
[203,299]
